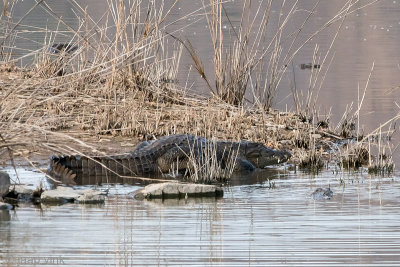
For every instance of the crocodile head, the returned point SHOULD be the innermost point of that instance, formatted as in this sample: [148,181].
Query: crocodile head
[261,156]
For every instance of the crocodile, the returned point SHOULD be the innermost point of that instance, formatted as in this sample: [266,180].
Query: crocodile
[168,153]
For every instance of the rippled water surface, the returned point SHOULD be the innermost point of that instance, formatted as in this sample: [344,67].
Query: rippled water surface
[271,222]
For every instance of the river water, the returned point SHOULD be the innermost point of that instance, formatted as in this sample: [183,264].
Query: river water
[270,220]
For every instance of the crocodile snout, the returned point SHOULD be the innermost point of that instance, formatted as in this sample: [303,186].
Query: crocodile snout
[284,156]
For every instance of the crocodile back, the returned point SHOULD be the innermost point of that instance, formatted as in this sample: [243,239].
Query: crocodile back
[165,154]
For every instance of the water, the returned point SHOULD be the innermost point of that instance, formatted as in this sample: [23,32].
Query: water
[252,225]
[268,219]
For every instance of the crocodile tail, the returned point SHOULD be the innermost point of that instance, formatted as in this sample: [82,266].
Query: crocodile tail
[60,169]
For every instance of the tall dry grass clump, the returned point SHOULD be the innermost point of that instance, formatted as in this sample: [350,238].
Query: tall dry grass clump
[244,55]
[207,164]
[119,68]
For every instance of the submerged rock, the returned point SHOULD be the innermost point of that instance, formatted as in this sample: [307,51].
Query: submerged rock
[4,183]
[321,194]
[178,190]
[62,195]
[6,206]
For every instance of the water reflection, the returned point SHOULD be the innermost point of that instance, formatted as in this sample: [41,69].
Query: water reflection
[4,227]
[253,224]
[4,216]
[256,177]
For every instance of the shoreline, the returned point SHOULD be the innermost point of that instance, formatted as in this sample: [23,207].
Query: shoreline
[43,117]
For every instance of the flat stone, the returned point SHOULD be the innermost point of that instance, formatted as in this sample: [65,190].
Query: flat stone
[154,189]
[59,195]
[6,206]
[190,188]
[64,194]
[170,189]
[178,190]
[91,196]
[4,183]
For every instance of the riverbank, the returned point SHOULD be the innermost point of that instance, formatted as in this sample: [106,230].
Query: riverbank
[45,116]
[42,116]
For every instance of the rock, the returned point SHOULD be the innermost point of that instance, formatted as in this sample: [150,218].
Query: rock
[22,192]
[59,195]
[178,190]
[321,194]
[6,206]
[170,189]
[4,183]
[91,196]
[63,194]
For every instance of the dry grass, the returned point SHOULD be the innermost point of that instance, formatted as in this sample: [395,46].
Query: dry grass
[311,159]
[207,167]
[122,81]
[44,108]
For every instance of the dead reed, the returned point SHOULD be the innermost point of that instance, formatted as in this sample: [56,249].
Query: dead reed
[311,159]
[207,165]
[121,80]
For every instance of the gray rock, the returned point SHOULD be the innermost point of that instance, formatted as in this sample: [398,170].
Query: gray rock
[91,196]
[21,189]
[178,190]
[170,189]
[6,206]
[63,194]
[4,183]
[321,194]
[59,195]
[23,192]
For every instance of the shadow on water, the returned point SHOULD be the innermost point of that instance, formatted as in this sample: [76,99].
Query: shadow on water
[259,176]
[256,177]
[108,177]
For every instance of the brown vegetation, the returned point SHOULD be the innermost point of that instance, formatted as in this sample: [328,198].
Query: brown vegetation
[121,83]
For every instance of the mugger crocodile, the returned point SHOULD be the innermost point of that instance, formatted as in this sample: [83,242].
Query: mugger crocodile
[168,153]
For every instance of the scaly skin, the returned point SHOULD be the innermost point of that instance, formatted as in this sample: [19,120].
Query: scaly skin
[168,153]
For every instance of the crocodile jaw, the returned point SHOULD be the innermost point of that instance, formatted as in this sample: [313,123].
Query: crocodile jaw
[268,156]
